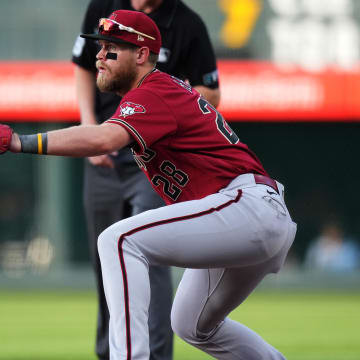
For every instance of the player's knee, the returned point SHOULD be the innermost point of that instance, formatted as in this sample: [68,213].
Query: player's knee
[183,326]
[112,239]
[178,323]
[105,244]
[101,243]
[188,331]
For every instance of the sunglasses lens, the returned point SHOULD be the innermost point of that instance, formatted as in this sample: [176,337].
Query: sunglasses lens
[106,25]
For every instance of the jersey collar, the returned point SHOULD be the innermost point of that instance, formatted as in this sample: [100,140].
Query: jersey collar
[144,77]
[163,15]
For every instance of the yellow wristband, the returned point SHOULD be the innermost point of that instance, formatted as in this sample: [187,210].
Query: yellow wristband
[34,144]
[40,145]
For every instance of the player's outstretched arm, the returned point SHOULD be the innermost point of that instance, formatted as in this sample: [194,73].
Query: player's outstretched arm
[75,141]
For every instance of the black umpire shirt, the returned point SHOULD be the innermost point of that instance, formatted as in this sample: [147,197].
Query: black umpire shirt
[186,51]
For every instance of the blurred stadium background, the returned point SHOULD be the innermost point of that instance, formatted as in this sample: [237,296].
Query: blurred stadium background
[290,83]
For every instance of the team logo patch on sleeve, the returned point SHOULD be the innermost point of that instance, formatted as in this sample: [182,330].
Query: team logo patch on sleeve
[129,108]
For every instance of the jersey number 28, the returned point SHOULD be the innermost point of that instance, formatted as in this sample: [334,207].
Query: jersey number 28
[170,187]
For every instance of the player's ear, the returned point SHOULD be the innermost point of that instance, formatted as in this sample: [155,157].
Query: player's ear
[142,55]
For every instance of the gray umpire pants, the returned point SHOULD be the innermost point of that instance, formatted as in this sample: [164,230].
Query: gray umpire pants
[110,196]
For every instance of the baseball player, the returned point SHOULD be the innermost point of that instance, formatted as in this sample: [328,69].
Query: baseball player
[114,186]
[225,220]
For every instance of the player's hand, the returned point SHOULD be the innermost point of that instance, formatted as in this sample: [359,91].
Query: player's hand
[8,140]
[102,160]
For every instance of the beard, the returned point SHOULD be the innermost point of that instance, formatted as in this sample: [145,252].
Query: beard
[118,81]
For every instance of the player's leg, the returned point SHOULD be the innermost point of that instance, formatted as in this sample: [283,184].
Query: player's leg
[202,321]
[228,229]
[103,204]
[143,198]
[125,264]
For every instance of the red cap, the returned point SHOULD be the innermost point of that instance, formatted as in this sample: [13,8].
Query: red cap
[141,30]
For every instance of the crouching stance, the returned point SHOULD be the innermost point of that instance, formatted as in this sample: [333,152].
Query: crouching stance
[228,241]
[225,221]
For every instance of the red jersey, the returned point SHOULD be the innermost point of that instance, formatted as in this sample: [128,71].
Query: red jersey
[182,143]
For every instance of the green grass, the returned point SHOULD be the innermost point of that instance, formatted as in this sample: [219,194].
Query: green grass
[61,325]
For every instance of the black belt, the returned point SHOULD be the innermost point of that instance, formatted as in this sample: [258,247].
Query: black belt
[264,180]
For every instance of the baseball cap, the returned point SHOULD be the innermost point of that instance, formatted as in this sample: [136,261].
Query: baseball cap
[126,26]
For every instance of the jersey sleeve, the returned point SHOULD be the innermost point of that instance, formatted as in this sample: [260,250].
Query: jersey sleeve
[84,50]
[200,67]
[146,117]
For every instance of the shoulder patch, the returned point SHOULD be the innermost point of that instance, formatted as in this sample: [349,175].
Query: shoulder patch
[128,108]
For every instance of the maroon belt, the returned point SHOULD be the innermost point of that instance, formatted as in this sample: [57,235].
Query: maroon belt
[264,180]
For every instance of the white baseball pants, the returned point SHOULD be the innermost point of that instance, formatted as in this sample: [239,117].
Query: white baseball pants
[228,241]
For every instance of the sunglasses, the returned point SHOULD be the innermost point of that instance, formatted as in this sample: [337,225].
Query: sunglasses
[106,24]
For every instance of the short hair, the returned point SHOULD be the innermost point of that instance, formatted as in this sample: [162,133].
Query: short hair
[153,58]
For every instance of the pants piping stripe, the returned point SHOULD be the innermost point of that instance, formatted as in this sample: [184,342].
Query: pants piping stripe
[148,226]
[126,299]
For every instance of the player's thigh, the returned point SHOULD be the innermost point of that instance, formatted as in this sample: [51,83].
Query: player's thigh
[190,298]
[228,289]
[218,231]
[205,297]
[184,234]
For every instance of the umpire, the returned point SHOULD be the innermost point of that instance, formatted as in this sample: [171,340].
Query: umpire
[114,187]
